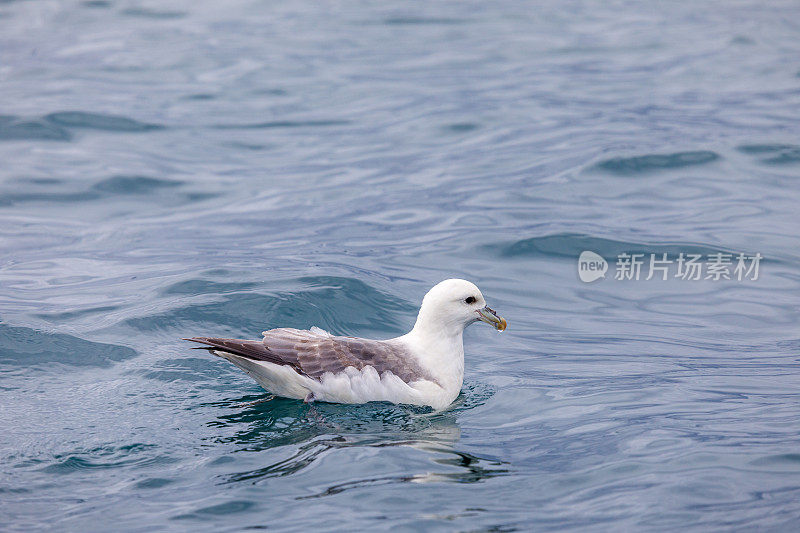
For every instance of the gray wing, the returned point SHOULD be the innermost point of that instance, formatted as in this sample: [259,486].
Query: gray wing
[312,354]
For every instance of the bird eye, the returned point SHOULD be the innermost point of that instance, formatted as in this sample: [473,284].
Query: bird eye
[471,300]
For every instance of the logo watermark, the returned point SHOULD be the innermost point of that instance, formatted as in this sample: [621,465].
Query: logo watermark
[591,267]
[684,266]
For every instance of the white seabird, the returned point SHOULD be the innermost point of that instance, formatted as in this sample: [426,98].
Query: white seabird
[423,367]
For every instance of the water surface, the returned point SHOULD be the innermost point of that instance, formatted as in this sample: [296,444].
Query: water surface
[210,168]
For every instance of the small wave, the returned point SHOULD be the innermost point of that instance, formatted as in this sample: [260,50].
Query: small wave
[417,21]
[105,457]
[10,199]
[153,483]
[343,306]
[142,12]
[626,166]
[203,286]
[97,121]
[51,191]
[773,154]
[16,129]
[570,245]
[25,347]
[80,313]
[222,509]
[783,462]
[133,184]
[461,127]
[284,124]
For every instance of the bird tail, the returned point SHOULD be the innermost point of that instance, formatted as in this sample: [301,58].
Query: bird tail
[243,348]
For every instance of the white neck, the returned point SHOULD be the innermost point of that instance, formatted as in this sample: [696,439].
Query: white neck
[440,349]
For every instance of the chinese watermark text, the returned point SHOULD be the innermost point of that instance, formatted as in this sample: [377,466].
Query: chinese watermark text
[685,266]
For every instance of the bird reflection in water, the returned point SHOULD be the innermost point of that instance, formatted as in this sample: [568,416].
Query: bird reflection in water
[312,432]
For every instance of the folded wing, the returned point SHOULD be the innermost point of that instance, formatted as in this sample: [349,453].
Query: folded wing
[312,353]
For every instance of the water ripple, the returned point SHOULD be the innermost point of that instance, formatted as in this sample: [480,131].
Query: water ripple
[30,349]
[209,168]
[628,166]
[97,121]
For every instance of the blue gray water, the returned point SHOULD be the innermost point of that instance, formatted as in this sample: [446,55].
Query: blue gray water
[221,168]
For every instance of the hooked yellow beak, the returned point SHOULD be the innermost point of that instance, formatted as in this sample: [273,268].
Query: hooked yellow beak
[488,315]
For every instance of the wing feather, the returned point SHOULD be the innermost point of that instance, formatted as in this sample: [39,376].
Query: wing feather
[312,354]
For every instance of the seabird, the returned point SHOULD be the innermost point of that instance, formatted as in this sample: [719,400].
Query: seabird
[423,367]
